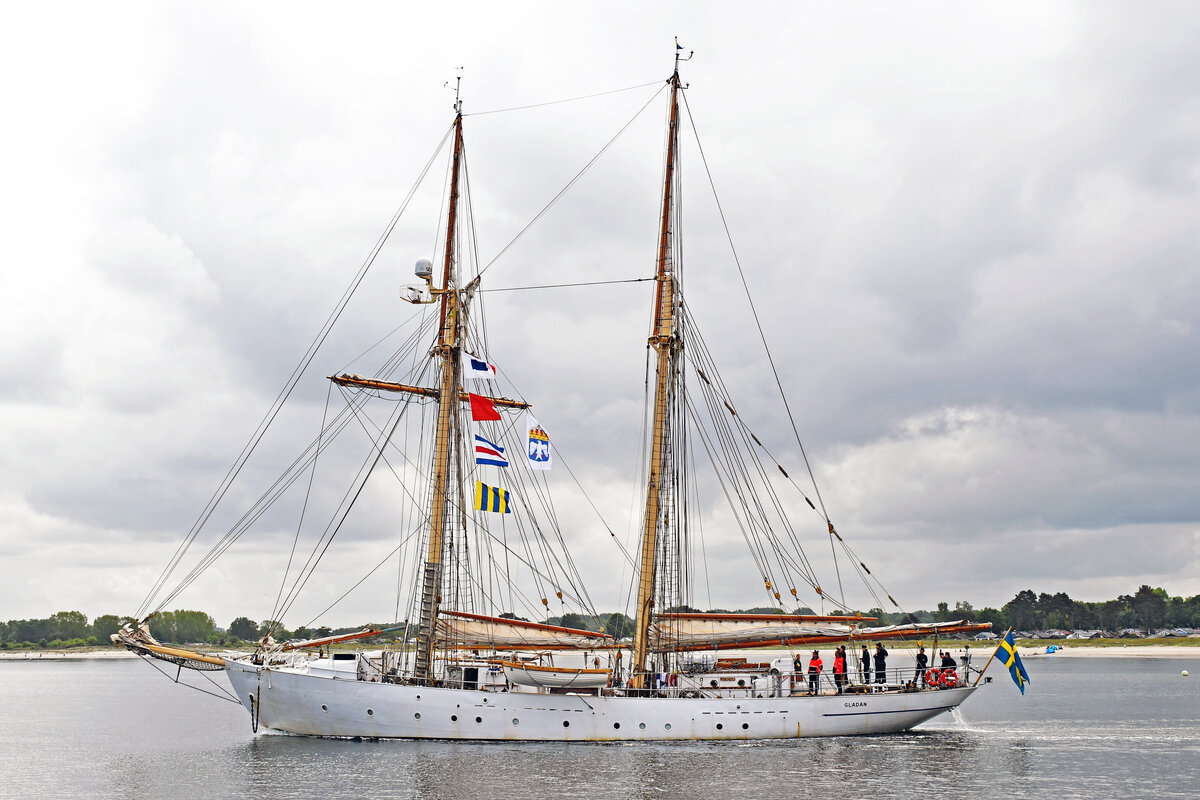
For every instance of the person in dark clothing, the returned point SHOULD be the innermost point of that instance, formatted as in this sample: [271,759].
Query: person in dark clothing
[881,655]
[948,661]
[866,665]
[922,665]
[797,671]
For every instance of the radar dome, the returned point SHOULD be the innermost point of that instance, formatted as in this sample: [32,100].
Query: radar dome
[423,268]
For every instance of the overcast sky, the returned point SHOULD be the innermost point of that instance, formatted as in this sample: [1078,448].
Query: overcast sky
[972,232]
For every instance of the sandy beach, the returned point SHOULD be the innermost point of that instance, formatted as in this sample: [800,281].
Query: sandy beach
[1131,651]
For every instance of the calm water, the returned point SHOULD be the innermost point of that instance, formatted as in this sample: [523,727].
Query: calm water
[1087,728]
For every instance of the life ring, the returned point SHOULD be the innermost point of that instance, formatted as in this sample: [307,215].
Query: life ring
[933,676]
[949,679]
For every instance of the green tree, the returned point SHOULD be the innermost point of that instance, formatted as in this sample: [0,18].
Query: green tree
[162,626]
[182,626]
[1150,605]
[1021,611]
[578,621]
[68,625]
[194,626]
[244,628]
[994,616]
[105,625]
[618,626]
[943,613]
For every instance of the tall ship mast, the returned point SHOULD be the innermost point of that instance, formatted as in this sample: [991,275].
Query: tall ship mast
[479,655]
[665,344]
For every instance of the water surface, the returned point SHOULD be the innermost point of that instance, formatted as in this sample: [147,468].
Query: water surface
[1086,728]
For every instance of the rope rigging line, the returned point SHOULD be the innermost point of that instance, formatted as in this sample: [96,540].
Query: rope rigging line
[566,285]
[414,532]
[564,100]
[280,485]
[225,694]
[284,393]
[718,405]
[329,535]
[294,470]
[290,475]
[858,565]
[757,322]
[570,183]
[303,508]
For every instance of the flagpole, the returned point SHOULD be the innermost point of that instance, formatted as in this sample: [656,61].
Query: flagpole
[979,677]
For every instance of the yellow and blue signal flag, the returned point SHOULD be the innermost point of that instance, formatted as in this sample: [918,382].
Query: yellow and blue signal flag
[1006,653]
[491,498]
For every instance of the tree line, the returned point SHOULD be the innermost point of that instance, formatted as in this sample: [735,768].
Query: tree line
[1147,609]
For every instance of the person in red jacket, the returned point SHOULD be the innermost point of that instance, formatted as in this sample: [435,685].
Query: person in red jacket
[814,672]
[839,668]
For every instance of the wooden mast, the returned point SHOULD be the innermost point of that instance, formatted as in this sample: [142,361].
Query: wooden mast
[663,340]
[448,394]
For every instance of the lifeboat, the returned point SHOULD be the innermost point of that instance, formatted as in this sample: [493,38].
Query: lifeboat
[525,674]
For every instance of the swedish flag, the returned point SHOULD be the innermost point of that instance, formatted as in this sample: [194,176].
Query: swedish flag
[490,498]
[1006,653]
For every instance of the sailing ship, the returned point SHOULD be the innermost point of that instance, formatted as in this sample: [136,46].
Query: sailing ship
[466,666]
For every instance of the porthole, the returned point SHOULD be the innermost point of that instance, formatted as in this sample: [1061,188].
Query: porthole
[667,726]
[370,712]
[418,697]
[745,726]
[417,715]
[741,681]
[454,717]
[516,721]
[713,683]
[720,726]
[566,723]
[616,726]
[641,726]
[325,708]
[479,719]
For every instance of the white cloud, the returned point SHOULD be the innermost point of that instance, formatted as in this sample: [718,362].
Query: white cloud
[970,236]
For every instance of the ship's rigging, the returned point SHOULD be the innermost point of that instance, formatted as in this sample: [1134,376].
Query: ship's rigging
[477,573]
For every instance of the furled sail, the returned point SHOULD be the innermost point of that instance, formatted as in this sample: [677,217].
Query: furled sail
[463,631]
[690,632]
[681,632]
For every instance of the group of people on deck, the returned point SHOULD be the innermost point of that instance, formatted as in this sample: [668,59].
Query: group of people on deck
[841,667]
[878,660]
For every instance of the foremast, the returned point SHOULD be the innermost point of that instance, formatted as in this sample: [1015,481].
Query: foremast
[447,348]
[666,343]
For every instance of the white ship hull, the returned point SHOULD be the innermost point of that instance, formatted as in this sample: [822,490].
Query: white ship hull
[294,701]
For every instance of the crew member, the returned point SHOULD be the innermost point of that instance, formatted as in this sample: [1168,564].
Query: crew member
[881,655]
[922,665]
[814,672]
[839,668]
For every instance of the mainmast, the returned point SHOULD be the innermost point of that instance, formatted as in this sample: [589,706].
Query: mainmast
[448,394]
[664,340]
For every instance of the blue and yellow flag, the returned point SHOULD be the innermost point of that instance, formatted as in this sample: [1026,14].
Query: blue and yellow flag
[490,498]
[1007,654]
